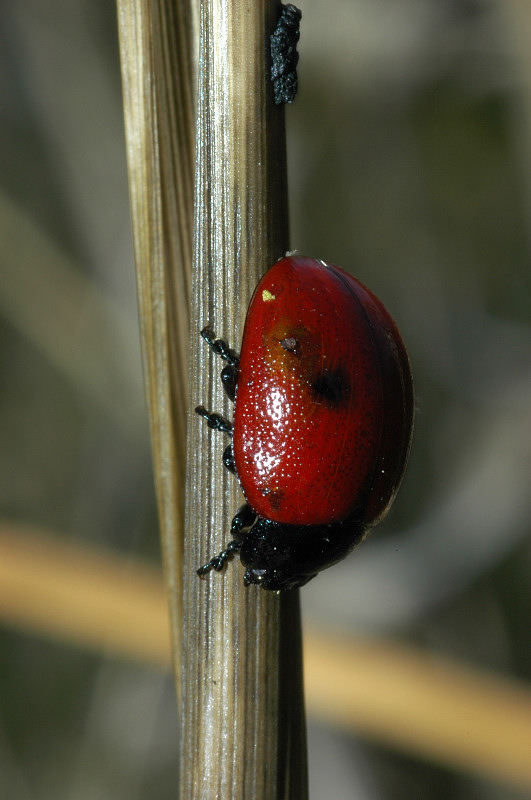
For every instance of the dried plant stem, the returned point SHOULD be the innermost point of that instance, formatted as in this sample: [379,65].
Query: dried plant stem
[243,733]
[157,75]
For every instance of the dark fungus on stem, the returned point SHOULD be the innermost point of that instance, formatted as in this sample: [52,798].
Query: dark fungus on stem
[284,55]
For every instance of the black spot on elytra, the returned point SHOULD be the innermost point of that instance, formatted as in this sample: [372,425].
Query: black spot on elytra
[274,496]
[331,387]
[290,344]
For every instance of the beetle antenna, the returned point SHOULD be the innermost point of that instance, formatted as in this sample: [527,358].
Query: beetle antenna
[218,562]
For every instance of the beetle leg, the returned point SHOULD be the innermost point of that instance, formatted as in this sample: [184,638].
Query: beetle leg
[229,379]
[215,421]
[220,347]
[229,374]
[244,518]
[228,459]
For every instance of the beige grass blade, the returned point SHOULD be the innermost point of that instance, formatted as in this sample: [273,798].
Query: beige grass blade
[156,41]
[243,733]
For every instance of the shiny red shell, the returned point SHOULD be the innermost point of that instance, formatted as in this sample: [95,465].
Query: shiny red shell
[324,403]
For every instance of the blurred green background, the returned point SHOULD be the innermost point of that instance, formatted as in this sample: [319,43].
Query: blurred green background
[409,162]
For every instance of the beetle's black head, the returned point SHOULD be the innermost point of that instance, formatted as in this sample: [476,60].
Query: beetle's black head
[279,557]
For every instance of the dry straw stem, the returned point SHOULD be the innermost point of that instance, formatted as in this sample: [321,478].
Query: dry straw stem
[243,731]
[157,73]
[404,697]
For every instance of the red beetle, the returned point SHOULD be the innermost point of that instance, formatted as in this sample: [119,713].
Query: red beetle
[322,421]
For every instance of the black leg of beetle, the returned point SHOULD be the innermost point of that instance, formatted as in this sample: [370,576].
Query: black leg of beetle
[243,519]
[228,459]
[229,379]
[229,374]
[220,347]
[215,421]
